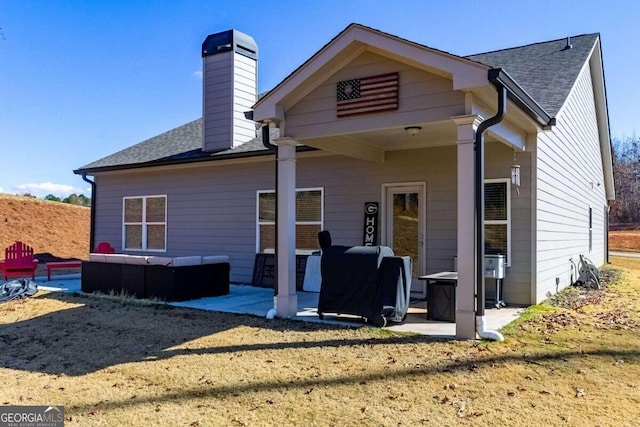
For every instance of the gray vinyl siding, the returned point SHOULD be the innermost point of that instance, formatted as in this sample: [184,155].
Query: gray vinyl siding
[422,97]
[212,209]
[517,282]
[229,89]
[569,161]
[245,92]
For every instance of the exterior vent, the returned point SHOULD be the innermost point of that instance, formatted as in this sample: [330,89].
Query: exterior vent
[230,87]
[568,45]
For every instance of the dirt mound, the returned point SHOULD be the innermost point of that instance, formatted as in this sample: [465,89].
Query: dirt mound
[55,230]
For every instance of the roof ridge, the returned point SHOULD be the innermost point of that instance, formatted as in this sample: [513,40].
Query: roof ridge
[532,44]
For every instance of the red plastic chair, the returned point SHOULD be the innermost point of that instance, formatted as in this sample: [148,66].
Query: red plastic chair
[105,248]
[19,261]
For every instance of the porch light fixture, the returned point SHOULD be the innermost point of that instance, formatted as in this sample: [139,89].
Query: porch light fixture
[515,171]
[515,175]
[412,130]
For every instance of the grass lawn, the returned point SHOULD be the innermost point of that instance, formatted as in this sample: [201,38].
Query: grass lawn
[118,362]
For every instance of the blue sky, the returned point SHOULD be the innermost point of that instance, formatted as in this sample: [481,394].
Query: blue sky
[80,80]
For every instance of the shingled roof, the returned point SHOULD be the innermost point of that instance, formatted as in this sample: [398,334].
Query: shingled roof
[546,71]
[180,145]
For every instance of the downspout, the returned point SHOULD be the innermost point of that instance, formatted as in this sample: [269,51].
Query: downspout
[267,143]
[479,208]
[92,231]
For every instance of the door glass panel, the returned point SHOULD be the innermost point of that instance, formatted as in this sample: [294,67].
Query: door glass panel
[406,222]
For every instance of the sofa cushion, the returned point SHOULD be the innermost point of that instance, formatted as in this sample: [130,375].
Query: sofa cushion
[182,261]
[115,258]
[215,259]
[159,260]
[136,259]
[96,257]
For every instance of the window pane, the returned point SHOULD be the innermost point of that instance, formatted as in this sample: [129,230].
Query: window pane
[155,236]
[133,236]
[308,205]
[267,206]
[267,238]
[406,225]
[307,237]
[495,239]
[495,201]
[133,210]
[156,209]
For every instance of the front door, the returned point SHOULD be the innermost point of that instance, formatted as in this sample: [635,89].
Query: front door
[405,227]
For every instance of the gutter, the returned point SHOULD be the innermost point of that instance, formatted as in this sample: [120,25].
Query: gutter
[521,98]
[171,162]
[92,231]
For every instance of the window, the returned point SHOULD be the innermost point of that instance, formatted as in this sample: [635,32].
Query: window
[309,219]
[497,218]
[144,223]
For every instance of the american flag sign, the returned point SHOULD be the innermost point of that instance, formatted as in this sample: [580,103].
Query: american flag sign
[367,95]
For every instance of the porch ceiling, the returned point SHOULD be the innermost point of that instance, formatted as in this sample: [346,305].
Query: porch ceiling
[371,145]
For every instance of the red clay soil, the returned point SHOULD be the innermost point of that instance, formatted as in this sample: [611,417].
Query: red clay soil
[55,231]
[624,241]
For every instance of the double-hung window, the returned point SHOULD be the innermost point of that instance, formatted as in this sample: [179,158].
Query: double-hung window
[309,219]
[497,218]
[144,223]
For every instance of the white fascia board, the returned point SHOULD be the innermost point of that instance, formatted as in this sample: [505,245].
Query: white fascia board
[602,116]
[339,52]
[466,74]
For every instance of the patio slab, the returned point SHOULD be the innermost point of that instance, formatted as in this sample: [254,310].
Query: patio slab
[244,299]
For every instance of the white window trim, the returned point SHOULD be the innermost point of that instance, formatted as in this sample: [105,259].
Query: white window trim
[507,181]
[259,223]
[144,224]
[590,220]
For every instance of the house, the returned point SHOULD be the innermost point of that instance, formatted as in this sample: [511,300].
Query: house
[373,118]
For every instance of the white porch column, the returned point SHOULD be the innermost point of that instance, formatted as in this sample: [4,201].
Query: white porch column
[466,290]
[286,302]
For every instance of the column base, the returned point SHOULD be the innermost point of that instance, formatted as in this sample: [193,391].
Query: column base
[465,324]
[286,305]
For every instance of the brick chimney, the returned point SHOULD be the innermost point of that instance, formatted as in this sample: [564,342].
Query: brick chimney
[230,88]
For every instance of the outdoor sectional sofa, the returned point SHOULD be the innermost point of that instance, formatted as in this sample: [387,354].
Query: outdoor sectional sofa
[169,279]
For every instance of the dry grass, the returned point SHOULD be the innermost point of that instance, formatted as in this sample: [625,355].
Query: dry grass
[117,361]
[624,240]
[120,362]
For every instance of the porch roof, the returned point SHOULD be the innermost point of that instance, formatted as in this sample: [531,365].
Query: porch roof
[546,72]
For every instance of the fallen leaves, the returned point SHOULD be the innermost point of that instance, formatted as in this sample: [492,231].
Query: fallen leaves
[616,319]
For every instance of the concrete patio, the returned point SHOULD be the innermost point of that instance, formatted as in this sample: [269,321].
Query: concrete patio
[244,299]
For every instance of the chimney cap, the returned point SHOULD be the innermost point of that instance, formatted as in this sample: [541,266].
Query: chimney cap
[230,40]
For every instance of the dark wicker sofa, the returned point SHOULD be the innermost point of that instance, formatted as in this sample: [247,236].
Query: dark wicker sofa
[169,279]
